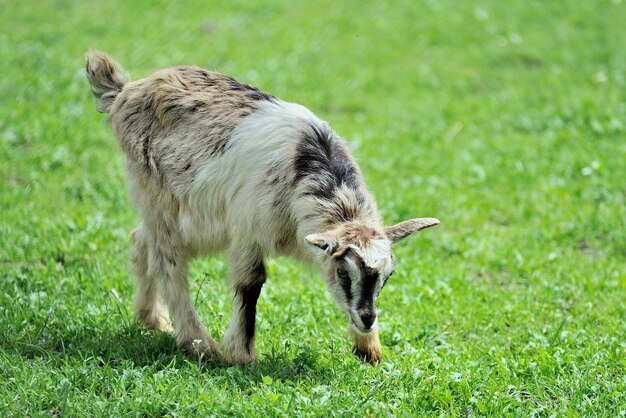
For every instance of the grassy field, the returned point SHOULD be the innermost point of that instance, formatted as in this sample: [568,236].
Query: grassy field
[505,119]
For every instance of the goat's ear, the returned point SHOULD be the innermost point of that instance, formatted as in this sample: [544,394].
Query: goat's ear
[402,230]
[325,242]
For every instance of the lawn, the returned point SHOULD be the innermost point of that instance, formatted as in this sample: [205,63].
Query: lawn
[504,119]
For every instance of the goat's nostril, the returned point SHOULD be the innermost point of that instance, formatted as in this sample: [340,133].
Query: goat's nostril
[368,320]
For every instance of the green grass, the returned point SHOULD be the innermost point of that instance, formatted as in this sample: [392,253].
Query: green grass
[505,119]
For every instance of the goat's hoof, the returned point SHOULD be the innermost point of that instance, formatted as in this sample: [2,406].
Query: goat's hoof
[238,354]
[165,327]
[162,324]
[154,321]
[239,357]
[241,360]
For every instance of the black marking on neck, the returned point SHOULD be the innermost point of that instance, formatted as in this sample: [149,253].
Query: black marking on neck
[320,155]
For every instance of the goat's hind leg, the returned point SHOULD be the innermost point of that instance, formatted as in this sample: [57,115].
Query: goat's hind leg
[191,334]
[149,310]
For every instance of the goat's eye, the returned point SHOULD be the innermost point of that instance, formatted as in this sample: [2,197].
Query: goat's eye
[343,274]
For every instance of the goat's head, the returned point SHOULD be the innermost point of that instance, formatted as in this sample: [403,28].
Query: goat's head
[359,261]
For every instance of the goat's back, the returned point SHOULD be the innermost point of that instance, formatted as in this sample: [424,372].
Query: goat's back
[216,155]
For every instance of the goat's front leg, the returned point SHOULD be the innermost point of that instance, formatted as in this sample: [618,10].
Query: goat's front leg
[366,346]
[248,276]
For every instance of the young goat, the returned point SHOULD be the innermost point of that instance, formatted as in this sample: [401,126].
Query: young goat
[215,164]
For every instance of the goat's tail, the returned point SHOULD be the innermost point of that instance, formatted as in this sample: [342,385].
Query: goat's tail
[107,78]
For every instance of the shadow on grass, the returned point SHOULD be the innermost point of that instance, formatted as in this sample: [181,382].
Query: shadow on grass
[133,347]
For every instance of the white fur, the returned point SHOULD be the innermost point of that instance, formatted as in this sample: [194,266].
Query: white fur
[377,255]
[227,200]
